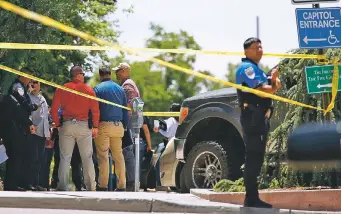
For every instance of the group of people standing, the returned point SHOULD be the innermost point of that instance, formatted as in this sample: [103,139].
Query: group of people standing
[79,131]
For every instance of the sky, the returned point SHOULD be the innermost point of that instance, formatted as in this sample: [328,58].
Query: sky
[216,25]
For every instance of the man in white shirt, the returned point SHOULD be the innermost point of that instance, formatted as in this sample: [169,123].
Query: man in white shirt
[40,119]
[171,128]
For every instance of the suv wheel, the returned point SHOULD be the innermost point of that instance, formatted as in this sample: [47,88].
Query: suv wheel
[207,164]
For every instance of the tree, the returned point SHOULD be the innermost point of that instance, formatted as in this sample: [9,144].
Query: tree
[162,86]
[292,75]
[179,84]
[88,16]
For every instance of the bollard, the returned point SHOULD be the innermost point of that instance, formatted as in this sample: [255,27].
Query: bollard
[137,121]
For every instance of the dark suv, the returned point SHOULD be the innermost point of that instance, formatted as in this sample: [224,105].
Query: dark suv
[208,145]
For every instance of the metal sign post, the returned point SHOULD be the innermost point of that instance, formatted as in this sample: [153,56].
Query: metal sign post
[137,121]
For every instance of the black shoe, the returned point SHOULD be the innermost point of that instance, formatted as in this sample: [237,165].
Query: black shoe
[80,189]
[39,188]
[31,188]
[101,189]
[256,203]
[18,189]
[130,187]
[120,190]
[28,188]
[53,185]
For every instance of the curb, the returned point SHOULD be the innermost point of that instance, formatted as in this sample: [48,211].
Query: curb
[130,203]
[165,206]
[236,198]
[94,204]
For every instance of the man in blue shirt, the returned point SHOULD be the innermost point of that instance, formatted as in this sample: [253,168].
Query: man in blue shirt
[113,121]
[255,115]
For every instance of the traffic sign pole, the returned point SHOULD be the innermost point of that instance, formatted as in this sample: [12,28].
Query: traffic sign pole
[325,96]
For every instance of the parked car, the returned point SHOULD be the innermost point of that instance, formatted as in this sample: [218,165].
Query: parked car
[208,145]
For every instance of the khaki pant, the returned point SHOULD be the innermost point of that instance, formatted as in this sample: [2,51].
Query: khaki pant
[110,136]
[70,133]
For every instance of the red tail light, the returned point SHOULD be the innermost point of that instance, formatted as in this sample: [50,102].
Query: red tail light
[183,113]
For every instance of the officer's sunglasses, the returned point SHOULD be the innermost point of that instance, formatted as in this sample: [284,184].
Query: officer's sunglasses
[82,74]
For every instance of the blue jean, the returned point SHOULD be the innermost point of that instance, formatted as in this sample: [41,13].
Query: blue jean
[37,153]
[129,156]
[130,164]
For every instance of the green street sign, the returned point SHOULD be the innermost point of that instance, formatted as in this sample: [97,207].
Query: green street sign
[319,78]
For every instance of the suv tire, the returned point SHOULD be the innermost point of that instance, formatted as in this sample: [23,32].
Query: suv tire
[207,163]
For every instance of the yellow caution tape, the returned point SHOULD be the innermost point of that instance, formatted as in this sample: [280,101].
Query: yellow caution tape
[107,48]
[334,89]
[53,23]
[162,114]
[159,114]
[59,86]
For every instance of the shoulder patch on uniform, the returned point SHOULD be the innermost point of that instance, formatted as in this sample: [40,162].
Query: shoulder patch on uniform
[17,87]
[21,91]
[250,72]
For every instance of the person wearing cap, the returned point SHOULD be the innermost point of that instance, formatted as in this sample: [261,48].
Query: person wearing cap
[74,128]
[255,116]
[123,71]
[113,121]
[17,131]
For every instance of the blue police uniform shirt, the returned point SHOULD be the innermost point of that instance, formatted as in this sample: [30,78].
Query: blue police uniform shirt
[250,74]
[109,90]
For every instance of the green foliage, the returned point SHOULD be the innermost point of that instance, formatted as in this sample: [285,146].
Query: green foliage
[178,84]
[88,16]
[288,177]
[160,86]
[292,76]
[225,185]
[323,177]
[274,184]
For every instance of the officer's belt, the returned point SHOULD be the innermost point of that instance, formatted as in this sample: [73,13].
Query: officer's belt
[254,108]
[73,120]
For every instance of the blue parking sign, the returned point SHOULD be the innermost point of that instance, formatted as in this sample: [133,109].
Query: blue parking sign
[319,27]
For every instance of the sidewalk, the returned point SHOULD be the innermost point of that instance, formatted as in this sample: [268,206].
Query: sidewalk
[127,202]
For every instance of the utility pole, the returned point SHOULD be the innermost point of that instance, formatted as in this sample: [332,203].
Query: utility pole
[257,27]
[325,96]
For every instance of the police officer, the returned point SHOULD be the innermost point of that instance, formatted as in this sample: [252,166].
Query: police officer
[18,129]
[255,115]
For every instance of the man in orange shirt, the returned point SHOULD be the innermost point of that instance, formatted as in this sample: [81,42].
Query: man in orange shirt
[75,127]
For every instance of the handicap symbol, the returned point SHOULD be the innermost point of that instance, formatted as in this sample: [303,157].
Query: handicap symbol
[332,38]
